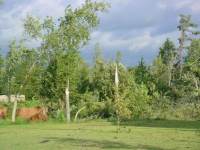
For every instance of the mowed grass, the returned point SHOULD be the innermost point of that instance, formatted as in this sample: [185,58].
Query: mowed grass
[95,135]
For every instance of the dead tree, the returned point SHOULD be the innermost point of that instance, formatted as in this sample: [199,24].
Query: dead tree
[67,103]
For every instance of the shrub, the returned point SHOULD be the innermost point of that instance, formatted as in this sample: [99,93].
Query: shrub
[60,115]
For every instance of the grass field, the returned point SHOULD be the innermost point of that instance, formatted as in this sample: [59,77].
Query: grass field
[94,135]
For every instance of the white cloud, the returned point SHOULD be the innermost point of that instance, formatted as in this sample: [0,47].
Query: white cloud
[11,20]
[183,3]
[133,26]
[151,42]
[141,42]
[135,44]
[161,5]
[107,39]
[196,7]
[193,5]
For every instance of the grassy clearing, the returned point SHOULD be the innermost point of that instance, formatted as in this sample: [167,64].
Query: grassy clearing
[94,135]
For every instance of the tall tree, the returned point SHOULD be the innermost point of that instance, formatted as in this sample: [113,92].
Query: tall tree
[141,72]
[186,28]
[168,53]
[61,41]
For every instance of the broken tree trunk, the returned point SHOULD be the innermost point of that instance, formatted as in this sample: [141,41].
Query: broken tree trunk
[180,51]
[67,105]
[14,110]
[117,97]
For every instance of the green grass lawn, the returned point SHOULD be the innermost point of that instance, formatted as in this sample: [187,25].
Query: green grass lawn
[94,135]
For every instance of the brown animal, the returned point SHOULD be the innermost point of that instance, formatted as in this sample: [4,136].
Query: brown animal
[34,113]
[3,112]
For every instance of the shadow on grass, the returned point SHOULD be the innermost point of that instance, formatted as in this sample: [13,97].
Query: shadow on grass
[103,144]
[179,124]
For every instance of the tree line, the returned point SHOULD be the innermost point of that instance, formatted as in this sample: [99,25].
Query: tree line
[166,89]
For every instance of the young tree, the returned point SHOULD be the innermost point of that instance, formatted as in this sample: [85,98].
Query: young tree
[61,41]
[160,74]
[168,53]
[19,68]
[142,75]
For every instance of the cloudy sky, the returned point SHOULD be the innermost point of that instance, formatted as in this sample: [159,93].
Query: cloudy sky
[137,28]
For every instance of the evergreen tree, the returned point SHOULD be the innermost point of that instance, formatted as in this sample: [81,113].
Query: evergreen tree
[167,52]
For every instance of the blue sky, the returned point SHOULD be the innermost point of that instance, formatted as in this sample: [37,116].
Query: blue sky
[137,28]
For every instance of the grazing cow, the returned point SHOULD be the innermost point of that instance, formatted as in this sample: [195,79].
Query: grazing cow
[35,113]
[3,112]
[4,98]
[12,98]
[19,98]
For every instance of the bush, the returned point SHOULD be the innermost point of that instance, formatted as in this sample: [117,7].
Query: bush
[164,109]
[138,101]
[31,103]
[188,111]
[60,116]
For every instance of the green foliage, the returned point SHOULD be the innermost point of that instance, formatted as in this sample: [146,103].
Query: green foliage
[187,28]
[60,116]
[61,40]
[193,58]
[185,22]
[33,26]
[188,111]
[31,103]
[142,75]
[138,100]
[167,52]
[169,87]
[2,74]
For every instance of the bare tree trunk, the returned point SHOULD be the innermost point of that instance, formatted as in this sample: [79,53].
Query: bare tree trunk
[197,88]
[170,77]
[181,47]
[170,68]
[196,84]
[67,106]
[14,111]
[117,97]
